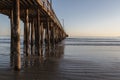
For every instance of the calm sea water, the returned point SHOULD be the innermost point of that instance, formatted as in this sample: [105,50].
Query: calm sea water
[73,59]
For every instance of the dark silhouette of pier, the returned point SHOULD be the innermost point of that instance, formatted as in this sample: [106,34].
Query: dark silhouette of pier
[41,26]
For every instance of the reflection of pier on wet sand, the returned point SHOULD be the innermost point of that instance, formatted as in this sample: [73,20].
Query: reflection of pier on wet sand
[40,26]
[35,67]
[48,54]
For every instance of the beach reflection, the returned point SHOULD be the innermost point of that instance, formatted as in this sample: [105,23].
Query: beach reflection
[39,67]
[48,54]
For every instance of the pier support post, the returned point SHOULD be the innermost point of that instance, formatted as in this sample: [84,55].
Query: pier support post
[58,35]
[26,33]
[41,39]
[12,43]
[32,37]
[48,33]
[55,33]
[16,35]
[52,34]
[24,50]
[38,27]
[37,34]
[41,34]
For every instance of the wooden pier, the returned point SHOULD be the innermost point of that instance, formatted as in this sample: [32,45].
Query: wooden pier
[41,25]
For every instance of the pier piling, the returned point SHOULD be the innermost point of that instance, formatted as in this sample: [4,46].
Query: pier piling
[16,35]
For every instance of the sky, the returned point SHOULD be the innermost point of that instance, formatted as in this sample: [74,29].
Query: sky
[82,17]
[89,17]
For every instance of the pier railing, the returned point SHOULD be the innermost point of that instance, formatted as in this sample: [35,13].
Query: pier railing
[47,6]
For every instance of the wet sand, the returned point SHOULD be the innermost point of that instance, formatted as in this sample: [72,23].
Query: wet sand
[67,62]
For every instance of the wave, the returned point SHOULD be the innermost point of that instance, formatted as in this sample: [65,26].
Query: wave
[93,44]
[8,42]
[79,41]
[93,41]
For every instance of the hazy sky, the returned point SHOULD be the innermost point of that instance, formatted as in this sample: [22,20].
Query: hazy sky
[83,17]
[89,17]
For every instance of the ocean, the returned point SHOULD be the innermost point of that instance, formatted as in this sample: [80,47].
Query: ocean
[82,58]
